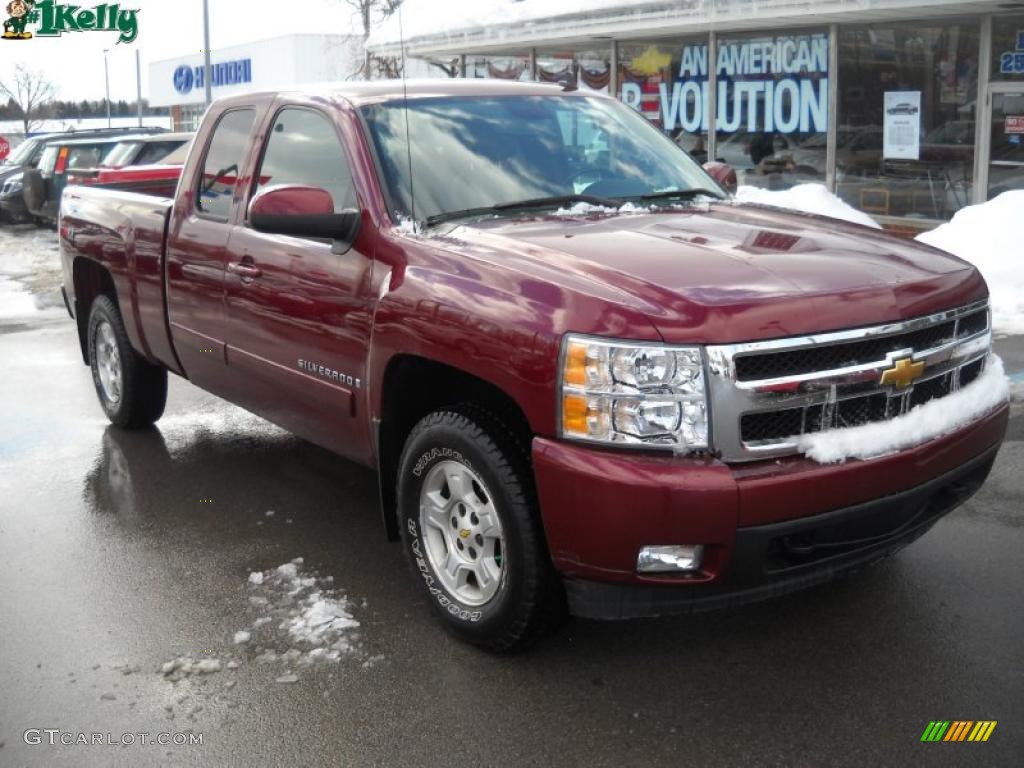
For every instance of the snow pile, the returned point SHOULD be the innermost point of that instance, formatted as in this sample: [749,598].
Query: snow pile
[926,422]
[989,237]
[183,666]
[807,198]
[301,619]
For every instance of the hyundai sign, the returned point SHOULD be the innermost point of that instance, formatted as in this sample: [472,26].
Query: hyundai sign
[237,72]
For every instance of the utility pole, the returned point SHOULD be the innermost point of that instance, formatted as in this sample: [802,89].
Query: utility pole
[207,79]
[106,78]
[138,83]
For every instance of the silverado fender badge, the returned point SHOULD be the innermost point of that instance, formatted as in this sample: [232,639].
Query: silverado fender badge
[903,373]
[329,373]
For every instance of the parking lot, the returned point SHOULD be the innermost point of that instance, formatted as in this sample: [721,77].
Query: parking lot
[124,552]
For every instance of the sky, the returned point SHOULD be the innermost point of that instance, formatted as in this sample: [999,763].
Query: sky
[167,29]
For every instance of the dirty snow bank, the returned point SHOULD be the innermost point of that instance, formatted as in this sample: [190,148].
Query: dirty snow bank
[988,236]
[807,198]
[926,422]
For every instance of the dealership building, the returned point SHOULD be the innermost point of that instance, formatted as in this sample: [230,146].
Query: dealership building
[277,63]
[907,110]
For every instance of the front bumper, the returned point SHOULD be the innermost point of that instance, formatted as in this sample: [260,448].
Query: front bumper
[767,528]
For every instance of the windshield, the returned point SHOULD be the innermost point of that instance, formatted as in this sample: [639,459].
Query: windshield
[22,154]
[475,152]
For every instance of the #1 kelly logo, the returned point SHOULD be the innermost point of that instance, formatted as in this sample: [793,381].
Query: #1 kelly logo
[54,19]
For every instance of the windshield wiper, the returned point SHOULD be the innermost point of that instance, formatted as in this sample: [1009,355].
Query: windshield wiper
[515,205]
[681,194]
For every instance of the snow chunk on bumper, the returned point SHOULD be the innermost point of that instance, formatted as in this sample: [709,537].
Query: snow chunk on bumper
[925,422]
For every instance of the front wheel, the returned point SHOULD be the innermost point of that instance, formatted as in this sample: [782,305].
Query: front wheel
[471,531]
[132,391]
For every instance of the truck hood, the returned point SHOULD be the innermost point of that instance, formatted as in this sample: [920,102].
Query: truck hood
[726,272]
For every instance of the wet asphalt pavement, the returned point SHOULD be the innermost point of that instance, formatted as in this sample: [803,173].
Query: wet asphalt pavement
[122,551]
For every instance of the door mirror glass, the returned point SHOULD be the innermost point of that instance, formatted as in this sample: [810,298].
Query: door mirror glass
[301,211]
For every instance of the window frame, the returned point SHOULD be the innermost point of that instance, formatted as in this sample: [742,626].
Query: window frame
[196,210]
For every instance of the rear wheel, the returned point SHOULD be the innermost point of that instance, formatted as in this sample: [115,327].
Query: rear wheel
[471,530]
[132,391]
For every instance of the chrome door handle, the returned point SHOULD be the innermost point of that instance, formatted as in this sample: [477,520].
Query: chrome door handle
[245,271]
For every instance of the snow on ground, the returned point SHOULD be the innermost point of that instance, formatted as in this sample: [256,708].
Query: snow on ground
[989,236]
[923,423]
[807,198]
[30,273]
[299,619]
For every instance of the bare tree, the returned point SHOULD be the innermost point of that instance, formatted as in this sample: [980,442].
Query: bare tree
[29,90]
[370,11]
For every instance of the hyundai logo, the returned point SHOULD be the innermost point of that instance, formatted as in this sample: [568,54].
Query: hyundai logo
[183,79]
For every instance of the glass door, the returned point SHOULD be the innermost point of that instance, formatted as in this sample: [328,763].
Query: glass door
[1005,145]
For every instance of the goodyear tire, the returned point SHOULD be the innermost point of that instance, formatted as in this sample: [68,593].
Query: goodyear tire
[471,531]
[132,391]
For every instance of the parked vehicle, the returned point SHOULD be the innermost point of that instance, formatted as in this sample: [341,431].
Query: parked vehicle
[568,404]
[57,168]
[145,150]
[159,179]
[27,155]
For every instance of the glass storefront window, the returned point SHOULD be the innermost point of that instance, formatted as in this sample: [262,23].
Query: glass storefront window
[506,66]
[590,69]
[1008,48]
[667,83]
[772,124]
[907,106]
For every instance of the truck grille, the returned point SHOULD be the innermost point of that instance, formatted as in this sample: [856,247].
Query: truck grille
[765,395]
[842,355]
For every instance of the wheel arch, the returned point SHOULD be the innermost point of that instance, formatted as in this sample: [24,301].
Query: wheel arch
[436,385]
[91,280]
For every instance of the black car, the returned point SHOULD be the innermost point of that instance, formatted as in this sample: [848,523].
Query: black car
[27,155]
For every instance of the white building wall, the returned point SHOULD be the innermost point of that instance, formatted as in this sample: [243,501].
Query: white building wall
[277,63]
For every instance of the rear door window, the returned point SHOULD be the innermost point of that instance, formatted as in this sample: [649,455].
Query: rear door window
[223,160]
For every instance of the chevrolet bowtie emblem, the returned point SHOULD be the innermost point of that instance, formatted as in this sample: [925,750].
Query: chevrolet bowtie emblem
[903,373]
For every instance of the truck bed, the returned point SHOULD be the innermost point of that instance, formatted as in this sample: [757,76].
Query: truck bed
[125,233]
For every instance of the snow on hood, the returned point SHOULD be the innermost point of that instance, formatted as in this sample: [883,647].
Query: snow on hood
[988,236]
[925,422]
[807,198]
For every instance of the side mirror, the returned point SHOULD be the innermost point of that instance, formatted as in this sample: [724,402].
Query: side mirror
[299,211]
[723,173]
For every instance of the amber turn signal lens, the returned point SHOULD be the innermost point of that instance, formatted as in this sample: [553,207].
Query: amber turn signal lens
[574,415]
[576,364]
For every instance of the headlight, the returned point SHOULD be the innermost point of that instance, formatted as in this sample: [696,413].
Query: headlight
[11,187]
[634,394]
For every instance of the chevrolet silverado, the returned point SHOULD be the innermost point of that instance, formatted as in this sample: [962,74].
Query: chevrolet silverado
[589,380]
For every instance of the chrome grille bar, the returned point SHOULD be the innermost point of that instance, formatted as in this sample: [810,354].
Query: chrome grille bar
[828,398]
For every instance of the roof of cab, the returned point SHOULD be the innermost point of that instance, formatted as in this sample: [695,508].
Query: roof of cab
[376,91]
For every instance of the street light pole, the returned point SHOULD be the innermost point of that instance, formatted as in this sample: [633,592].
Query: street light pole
[106,78]
[138,83]
[208,85]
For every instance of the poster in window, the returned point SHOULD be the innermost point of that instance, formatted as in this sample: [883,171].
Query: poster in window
[902,138]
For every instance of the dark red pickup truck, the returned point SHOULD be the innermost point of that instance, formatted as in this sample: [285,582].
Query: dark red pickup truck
[587,377]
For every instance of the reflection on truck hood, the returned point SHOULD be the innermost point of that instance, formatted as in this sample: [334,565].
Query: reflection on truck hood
[729,273]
